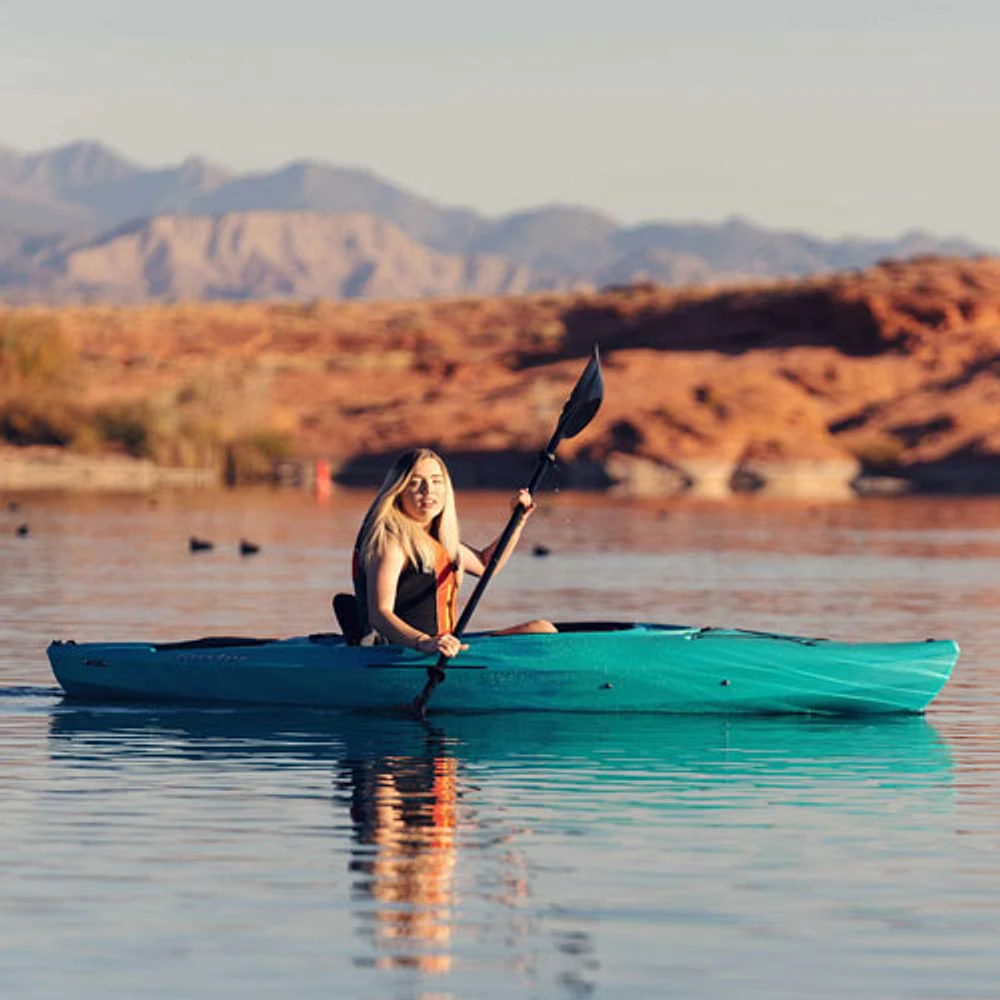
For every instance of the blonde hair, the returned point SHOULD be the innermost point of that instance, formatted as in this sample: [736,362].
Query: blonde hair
[385,519]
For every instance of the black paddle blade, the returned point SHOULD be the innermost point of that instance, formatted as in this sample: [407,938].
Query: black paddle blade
[584,401]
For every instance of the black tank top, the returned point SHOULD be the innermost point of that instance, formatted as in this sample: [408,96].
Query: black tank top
[426,599]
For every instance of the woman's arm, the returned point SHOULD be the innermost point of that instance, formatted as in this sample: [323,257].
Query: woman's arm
[384,573]
[474,561]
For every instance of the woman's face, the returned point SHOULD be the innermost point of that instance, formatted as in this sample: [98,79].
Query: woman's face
[424,494]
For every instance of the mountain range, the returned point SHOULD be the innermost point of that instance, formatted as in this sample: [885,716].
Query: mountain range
[82,222]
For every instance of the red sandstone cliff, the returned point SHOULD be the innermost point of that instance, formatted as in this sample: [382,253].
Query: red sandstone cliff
[792,387]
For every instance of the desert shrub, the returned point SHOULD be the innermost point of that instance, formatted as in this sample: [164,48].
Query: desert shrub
[880,453]
[87,440]
[39,420]
[197,443]
[127,427]
[252,457]
[181,435]
[35,348]
[273,444]
[160,430]
[219,414]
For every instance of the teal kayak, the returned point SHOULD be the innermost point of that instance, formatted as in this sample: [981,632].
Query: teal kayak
[585,667]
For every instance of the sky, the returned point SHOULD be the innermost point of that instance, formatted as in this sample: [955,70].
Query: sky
[855,117]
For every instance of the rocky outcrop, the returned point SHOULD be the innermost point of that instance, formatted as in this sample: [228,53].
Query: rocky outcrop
[870,382]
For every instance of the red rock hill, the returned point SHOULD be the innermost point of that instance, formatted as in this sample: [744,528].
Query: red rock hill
[789,387]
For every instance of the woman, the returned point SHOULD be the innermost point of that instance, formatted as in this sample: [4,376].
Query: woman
[409,561]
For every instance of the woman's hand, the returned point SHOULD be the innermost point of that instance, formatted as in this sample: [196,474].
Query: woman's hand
[445,644]
[524,499]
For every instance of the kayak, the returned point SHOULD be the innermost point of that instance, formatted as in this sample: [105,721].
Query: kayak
[584,667]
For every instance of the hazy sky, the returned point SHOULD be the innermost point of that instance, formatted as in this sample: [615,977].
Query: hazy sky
[865,117]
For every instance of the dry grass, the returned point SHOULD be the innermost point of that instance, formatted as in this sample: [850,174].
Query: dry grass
[36,349]
[107,380]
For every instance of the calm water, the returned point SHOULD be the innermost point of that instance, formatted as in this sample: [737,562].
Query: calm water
[217,853]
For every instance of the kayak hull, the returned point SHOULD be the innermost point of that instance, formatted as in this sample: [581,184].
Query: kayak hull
[583,668]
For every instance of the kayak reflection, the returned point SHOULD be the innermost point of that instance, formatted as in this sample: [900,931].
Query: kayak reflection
[594,746]
[429,814]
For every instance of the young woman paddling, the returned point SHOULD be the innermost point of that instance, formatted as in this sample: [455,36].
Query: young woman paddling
[409,560]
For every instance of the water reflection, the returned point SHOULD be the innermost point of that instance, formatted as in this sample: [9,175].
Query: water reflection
[595,746]
[431,817]
[404,811]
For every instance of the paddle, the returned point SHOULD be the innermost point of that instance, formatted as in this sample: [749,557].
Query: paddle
[584,401]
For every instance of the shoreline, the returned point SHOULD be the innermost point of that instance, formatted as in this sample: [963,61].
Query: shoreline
[621,476]
[36,469]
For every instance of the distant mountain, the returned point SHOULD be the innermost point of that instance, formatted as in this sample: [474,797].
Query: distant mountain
[85,188]
[65,174]
[260,255]
[86,203]
[314,187]
[558,239]
[738,246]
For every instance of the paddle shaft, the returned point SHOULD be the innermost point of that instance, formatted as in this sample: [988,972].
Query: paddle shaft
[516,520]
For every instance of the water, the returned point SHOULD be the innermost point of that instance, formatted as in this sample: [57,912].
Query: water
[231,853]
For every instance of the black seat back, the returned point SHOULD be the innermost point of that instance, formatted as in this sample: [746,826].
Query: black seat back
[345,608]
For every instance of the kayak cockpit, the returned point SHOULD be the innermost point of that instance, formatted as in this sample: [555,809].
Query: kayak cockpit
[210,642]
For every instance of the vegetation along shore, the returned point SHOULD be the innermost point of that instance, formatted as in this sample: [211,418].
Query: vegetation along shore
[875,381]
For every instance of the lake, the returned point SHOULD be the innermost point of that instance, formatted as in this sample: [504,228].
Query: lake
[218,853]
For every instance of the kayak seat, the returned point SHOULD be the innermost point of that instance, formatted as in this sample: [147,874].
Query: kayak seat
[345,609]
[599,626]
